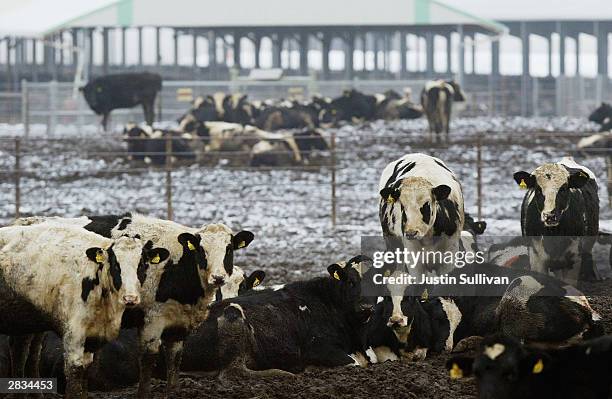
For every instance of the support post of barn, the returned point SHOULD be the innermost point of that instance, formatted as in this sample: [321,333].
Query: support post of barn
[479,176]
[169,210]
[332,168]
[17,175]
[25,108]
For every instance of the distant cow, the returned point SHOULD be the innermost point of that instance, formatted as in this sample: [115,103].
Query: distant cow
[125,90]
[67,280]
[287,117]
[391,105]
[351,106]
[504,369]
[287,149]
[437,100]
[149,145]
[560,214]
[603,117]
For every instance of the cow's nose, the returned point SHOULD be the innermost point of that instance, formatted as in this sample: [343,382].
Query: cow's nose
[131,300]
[397,321]
[411,234]
[218,280]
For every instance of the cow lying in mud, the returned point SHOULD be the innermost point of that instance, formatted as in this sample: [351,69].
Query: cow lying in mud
[504,369]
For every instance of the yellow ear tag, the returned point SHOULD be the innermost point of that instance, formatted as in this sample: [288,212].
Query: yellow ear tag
[390,199]
[538,367]
[425,295]
[336,276]
[242,244]
[522,184]
[387,273]
[190,246]
[256,282]
[99,257]
[156,259]
[456,372]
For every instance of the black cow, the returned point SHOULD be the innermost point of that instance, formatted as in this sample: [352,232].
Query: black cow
[437,99]
[125,90]
[320,320]
[603,117]
[506,369]
[560,212]
[352,106]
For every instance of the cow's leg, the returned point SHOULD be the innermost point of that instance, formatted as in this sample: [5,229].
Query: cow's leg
[328,356]
[19,352]
[105,121]
[32,367]
[149,342]
[149,111]
[76,362]
[173,352]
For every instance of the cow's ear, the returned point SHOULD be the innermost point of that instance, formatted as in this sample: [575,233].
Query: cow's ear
[95,254]
[480,227]
[336,272]
[578,179]
[525,180]
[190,241]
[441,192]
[157,255]
[255,279]
[459,367]
[390,194]
[242,239]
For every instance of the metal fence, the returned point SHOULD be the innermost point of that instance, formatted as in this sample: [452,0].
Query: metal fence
[70,176]
[54,104]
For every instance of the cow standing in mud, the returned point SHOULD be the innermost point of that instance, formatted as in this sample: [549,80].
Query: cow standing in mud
[437,101]
[421,203]
[560,214]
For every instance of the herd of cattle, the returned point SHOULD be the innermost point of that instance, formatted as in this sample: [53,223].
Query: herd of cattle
[104,302]
[231,122]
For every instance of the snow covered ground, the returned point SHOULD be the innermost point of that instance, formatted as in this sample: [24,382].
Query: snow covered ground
[288,210]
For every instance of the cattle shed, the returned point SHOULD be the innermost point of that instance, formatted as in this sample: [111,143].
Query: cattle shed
[205,40]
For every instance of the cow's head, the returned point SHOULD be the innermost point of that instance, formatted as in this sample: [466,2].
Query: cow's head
[150,256]
[239,283]
[601,113]
[191,125]
[121,261]
[550,186]
[502,367]
[417,200]
[218,243]
[457,92]
[345,280]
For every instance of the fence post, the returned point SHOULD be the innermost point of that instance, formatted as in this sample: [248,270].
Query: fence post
[170,212]
[479,176]
[333,177]
[52,107]
[17,175]
[25,108]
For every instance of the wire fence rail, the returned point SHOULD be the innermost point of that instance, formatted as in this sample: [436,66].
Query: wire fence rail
[64,167]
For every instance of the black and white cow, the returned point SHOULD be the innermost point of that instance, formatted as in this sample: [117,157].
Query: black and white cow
[320,318]
[421,203]
[281,149]
[125,90]
[178,282]
[150,145]
[70,281]
[437,99]
[117,365]
[603,117]
[560,212]
[351,106]
[504,368]
[514,253]
[237,109]
[292,116]
[391,105]
[599,145]
[203,109]
[531,307]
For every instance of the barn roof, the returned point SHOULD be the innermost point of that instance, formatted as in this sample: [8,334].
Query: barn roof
[52,16]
